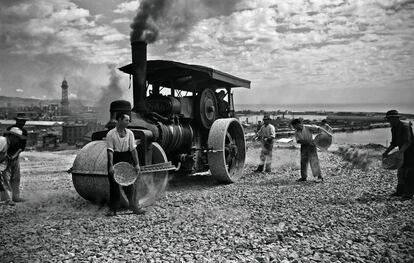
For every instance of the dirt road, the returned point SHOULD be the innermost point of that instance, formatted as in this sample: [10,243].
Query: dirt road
[262,218]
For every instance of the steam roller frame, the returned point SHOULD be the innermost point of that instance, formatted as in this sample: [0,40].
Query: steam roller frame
[90,176]
[227,150]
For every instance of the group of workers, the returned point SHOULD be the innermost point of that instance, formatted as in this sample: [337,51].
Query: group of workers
[402,137]
[121,147]
[12,143]
[303,134]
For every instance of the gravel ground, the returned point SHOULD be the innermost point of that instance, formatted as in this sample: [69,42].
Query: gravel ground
[262,218]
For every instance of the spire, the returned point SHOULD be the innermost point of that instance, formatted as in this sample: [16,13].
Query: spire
[65,98]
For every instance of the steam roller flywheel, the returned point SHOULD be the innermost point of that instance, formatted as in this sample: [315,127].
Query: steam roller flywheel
[228,150]
[90,176]
[206,108]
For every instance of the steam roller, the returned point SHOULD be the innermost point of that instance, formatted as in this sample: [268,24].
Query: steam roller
[183,114]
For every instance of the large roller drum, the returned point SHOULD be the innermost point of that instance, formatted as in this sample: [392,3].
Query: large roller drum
[228,150]
[90,176]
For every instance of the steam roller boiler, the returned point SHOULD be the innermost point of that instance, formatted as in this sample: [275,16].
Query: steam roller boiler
[183,114]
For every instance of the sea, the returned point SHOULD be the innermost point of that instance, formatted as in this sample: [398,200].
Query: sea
[407,108]
[380,136]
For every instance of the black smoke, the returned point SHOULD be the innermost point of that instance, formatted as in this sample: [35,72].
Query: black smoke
[175,18]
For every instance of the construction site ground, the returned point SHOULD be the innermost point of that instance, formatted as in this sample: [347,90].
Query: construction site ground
[264,217]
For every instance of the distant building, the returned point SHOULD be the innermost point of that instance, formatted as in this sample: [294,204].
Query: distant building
[36,130]
[65,98]
[74,132]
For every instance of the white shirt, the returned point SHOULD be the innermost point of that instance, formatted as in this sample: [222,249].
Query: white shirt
[115,143]
[267,131]
[3,152]
[305,134]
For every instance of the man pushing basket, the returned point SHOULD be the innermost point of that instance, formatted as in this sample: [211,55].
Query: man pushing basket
[121,147]
[403,138]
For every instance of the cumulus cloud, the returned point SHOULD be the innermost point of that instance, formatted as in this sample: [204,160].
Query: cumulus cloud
[56,27]
[279,45]
[50,39]
[131,6]
[341,43]
[19,90]
[122,20]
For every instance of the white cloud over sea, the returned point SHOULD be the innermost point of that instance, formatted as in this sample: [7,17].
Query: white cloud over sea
[295,51]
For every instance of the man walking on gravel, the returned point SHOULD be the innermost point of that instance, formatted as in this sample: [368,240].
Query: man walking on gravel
[267,134]
[403,138]
[308,152]
[14,162]
[8,145]
[121,147]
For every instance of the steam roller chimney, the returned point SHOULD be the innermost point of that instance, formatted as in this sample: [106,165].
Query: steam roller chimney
[139,61]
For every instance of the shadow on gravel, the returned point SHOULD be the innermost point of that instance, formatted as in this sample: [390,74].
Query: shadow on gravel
[193,182]
[287,182]
[365,198]
[372,198]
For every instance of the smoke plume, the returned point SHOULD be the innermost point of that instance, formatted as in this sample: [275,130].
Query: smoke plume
[175,18]
[144,26]
[110,93]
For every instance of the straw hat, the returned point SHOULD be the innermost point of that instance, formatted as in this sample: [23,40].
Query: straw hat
[392,113]
[125,174]
[15,131]
[266,117]
[393,161]
[21,118]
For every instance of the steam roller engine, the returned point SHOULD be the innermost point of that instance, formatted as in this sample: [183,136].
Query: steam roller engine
[183,114]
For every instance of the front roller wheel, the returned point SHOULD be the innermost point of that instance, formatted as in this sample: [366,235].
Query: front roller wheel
[90,176]
[228,150]
[150,186]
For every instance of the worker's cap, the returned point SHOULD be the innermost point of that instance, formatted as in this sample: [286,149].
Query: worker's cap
[266,117]
[15,131]
[295,122]
[392,113]
[21,118]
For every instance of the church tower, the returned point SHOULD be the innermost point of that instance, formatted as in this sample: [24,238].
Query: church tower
[65,98]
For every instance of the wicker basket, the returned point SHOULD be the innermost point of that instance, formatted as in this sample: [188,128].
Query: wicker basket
[323,141]
[393,161]
[125,174]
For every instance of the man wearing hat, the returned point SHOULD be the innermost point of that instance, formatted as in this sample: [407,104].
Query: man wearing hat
[14,153]
[11,141]
[121,147]
[267,134]
[308,152]
[403,138]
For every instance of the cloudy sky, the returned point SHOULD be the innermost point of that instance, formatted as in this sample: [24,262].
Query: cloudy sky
[293,51]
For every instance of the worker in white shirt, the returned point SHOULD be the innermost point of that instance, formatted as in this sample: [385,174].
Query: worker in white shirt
[308,153]
[267,134]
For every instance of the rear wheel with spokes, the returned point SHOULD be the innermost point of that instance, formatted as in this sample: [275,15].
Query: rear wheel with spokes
[228,150]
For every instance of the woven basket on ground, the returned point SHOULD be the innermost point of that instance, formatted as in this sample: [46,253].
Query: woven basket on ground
[323,141]
[393,161]
[125,173]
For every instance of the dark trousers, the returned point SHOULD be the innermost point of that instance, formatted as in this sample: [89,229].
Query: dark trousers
[405,185]
[115,188]
[14,167]
[308,154]
[405,174]
[10,181]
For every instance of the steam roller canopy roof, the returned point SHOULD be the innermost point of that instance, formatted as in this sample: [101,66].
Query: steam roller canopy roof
[186,77]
